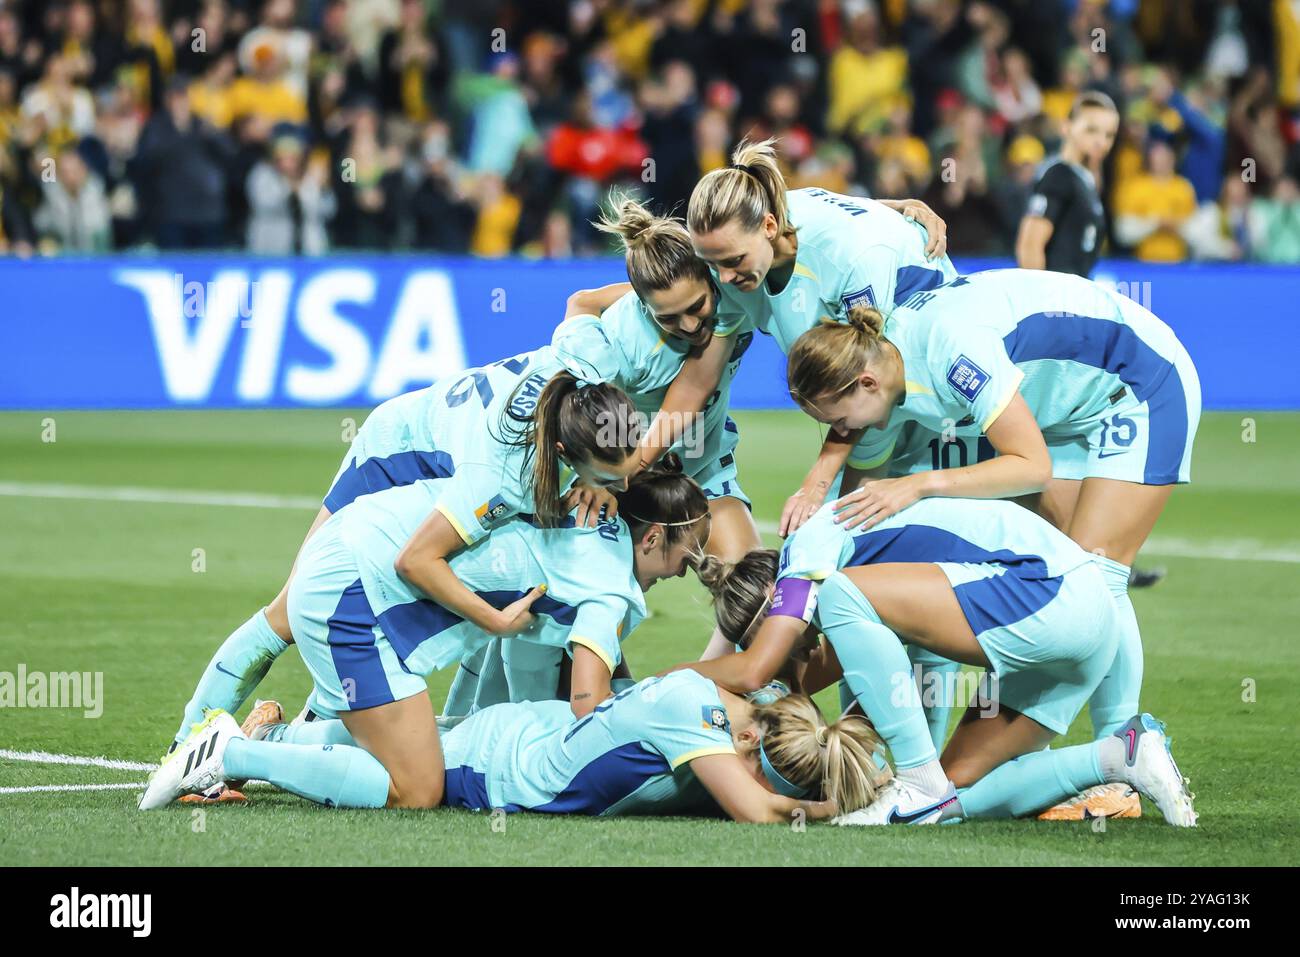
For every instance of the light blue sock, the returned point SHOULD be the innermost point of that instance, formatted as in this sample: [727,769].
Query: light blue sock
[464,684]
[1116,698]
[1033,782]
[877,671]
[320,731]
[936,677]
[334,775]
[235,670]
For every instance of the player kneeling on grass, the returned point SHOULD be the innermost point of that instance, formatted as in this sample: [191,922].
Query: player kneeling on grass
[370,639]
[982,583]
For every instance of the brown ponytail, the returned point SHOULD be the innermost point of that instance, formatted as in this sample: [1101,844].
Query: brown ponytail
[593,422]
[744,192]
[826,360]
[657,249]
[740,590]
[662,495]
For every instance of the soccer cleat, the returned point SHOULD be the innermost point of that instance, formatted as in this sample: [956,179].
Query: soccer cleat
[1146,577]
[1104,800]
[217,795]
[196,765]
[262,718]
[900,803]
[1149,766]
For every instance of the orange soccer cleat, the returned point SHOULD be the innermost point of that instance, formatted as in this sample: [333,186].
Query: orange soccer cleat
[1104,800]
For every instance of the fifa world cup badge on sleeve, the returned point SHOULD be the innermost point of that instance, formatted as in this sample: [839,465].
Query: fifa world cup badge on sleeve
[715,718]
[967,378]
[490,511]
[863,297]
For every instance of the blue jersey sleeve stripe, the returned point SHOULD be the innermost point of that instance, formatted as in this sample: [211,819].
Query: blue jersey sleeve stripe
[409,625]
[910,279]
[1115,348]
[377,474]
[606,780]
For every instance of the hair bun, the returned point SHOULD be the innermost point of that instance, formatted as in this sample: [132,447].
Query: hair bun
[671,462]
[866,319]
[713,572]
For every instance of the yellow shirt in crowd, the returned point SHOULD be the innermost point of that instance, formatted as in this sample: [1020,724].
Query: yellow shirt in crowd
[1150,198]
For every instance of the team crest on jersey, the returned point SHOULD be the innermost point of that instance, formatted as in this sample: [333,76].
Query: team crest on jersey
[863,297]
[715,717]
[967,378]
[490,511]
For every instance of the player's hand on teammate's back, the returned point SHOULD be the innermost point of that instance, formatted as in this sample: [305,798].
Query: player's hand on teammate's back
[934,225]
[589,501]
[516,617]
[800,507]
[873,502]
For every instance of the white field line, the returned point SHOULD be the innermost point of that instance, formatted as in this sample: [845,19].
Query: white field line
[45,788]
[45,757]
[155,496]
[1246,550]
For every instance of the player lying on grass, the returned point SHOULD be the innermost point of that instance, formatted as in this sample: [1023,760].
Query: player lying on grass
[671,745]
[983,583]
[514,437]
[1089,400]
[802,254]
[671,315]
[370,638]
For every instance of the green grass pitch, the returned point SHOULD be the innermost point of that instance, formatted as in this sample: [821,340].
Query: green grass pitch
[114,587]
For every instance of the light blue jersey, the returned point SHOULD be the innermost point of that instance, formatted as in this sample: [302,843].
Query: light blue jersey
[625,347]
[368,637]
[468,426]
[1022,551]
[592,593]
[851,251]
[1035,601]
[1109,384]
[631,755]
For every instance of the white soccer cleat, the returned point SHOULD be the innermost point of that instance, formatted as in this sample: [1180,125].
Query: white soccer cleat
[1149,766]
[900,803]
[196,765]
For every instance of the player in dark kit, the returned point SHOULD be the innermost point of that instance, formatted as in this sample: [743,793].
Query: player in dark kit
[1063,227]
[1064,224]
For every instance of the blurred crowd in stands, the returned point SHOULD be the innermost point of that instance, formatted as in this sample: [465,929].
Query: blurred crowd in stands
[492,127]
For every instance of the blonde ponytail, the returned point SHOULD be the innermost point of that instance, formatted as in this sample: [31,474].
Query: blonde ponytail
[826,360]
[839,761]
[744,192]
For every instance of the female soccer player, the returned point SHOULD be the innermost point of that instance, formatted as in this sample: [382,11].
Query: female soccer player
[808,253]
[983,583]
[671,312]
[370,637]
[665,746]
[513,435]
[1089,400]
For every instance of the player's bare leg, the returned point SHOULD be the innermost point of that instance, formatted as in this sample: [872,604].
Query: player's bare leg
[403,736]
